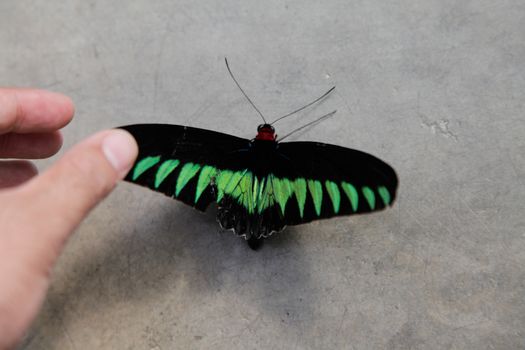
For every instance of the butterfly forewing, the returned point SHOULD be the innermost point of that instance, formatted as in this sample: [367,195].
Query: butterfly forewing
[339,181]
[183,162]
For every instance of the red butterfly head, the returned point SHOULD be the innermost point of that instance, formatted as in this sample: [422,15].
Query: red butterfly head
[265,132]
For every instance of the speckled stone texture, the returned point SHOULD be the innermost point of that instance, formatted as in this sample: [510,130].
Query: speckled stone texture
[434,87]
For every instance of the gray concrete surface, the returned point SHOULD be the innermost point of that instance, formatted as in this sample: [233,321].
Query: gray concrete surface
[435,87]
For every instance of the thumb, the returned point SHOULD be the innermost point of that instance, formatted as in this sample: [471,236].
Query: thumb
[39,216]
[62,196]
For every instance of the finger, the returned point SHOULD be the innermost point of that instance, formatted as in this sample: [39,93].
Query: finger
[33,111]
[16,172]
[30,146]
[63,195]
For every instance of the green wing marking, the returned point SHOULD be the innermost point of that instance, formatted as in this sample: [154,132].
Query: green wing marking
[299,186]
[334,194]
[222,181]
[351,193]
[282,191]
[244,192]
[207,174]
[143,165]
[316,191]
[370,196]
[164,170]
[385,195]
[188,171]
[227,181]
[266,194]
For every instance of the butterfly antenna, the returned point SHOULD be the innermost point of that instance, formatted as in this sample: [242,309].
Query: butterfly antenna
[305,106]
[244,93]
[326,116]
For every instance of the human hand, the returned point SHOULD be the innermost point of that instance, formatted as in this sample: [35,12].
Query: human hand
[39,212]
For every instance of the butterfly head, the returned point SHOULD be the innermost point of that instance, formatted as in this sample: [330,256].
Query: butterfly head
[265,132]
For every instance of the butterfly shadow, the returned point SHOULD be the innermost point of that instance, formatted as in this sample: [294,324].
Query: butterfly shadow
[175,248]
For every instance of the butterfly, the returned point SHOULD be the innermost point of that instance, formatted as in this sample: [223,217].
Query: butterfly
[260,185]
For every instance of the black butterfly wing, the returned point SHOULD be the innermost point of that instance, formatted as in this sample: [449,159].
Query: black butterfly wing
[323,180]
[184,162]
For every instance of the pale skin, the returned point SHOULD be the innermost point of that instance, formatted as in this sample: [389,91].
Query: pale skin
[39,212]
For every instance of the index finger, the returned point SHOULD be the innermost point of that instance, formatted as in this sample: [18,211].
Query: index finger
[33,111]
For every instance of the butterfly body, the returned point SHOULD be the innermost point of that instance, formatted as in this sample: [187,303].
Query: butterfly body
[259,185]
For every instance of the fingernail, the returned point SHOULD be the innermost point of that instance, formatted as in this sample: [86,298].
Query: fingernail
[120,149]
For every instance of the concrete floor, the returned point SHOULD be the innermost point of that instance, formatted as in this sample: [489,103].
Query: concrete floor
[434,87]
